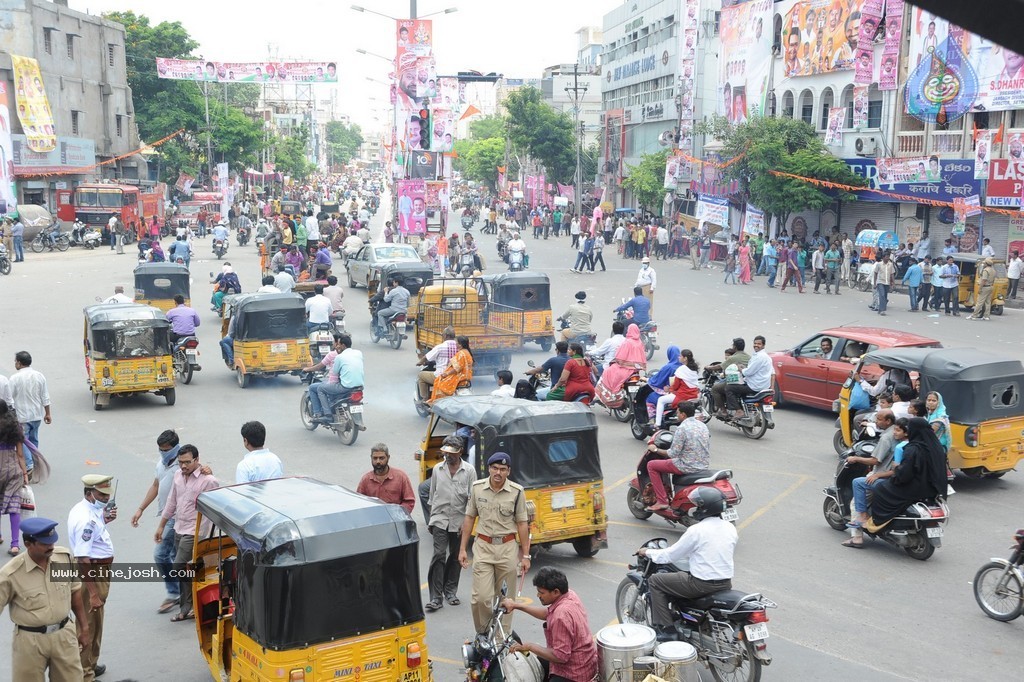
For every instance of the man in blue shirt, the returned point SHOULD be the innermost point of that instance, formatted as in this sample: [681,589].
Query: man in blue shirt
[348,365]
[641,307]
[912,278]
[553,365]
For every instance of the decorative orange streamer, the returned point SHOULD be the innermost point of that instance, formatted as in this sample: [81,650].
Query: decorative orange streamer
[86,169]
[903,197]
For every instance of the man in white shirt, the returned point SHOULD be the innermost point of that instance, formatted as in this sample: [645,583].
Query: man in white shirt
[708,546]
[986,250]
[757,377]
[606,351]
[31,400]
[312,228]
[334,294]
[119,296]
[5,392]
[1013,273]
[284,282]
[318,308]
[923,247]
[259,463]
[647,279]
[505,388]
[268,286]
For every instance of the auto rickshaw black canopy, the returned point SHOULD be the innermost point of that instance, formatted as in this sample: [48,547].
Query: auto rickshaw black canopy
[110,315]
[550,442]
[148,274]
[127,330]
[975,385]
[414,276]
[316,561]
[269,317]
[523,290]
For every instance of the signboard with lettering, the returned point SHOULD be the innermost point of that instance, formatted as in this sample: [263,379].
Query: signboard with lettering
[1005,179]
[956,182]
[68,154]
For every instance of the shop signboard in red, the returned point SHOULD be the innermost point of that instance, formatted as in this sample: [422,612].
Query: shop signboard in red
[1005,183]
[412,207]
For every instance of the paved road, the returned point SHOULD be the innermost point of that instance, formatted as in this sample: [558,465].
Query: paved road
[843,615]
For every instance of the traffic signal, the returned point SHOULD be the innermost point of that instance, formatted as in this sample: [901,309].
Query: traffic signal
[426,131]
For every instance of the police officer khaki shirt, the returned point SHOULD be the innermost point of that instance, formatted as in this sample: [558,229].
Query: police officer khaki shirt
[87,531]
[34,597]
[497,512]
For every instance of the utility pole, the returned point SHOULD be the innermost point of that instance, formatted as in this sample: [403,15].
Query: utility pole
[578,131]
[412,9]
[209,144]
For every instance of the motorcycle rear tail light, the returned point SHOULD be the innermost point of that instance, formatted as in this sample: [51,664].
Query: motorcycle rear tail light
[768,400]
[357,396]
[937,512]
[191,343]
[758,617]
[971,437]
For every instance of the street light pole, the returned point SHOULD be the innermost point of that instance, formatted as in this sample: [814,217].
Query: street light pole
[578,133]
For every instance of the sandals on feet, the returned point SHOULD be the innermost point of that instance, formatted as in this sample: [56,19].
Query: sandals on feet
[854,545]
[178,617]
[453,601]
[14,551]
[433,605]
[167,605]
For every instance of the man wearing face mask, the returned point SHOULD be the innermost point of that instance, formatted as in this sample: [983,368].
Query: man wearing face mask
[647,279]
[94,552]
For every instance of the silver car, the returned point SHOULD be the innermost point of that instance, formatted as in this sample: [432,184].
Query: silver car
[373,256]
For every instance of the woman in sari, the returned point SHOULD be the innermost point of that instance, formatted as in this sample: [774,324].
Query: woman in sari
[745,262]
[459,370]
[938,419]
[630,357]
[660,380]
[575,380]
[920,476]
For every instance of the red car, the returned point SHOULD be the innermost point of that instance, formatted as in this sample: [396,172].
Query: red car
[813,372]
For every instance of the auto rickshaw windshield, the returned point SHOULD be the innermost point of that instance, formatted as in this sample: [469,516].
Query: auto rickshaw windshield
[551,458]
[266,325]
[130,339]
[162,286]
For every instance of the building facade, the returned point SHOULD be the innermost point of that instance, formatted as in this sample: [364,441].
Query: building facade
[82,66]
[563,85]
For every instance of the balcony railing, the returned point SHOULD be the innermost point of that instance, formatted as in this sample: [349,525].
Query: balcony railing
[947,141]
[910,144]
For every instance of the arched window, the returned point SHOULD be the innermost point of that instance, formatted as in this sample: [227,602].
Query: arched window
[827,102]
[787,104]
[806,112]
[846,101]
[772,105]
[777,33]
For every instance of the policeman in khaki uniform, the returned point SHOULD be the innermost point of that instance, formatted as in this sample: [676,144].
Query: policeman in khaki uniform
[91,545]
[44,637]
[498,506]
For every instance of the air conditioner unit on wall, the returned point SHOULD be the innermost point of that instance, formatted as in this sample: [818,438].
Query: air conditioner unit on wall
[866,146]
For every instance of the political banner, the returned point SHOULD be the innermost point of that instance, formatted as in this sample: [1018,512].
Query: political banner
[414,36]
[959,217]
[903,171]
[414,61]
[412,207]
[307,72]
[1015,242]
[753,220]
[834,131]
[686,54]
[864,55]
[675,167]
[442,130]
[1006,179]
[714,210]
[33,105]
[447,94]
[972,205]
[955,179]
[982,149]
[241,72]
[860,106]
[437,195]
[567,191]
[998,72]
[8,197]
[893,40]
[186,69]
[821,36]
[184,183]
[746,59]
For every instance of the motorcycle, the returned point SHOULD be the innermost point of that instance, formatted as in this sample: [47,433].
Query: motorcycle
[757,407]
[220,247]
[588,341]
[640,425]
[423,405]
[999,584]
[619,404]
[487,657]
[467,222]
[321,341]
[84,235]
[51,238]
[243,235]
[866,432]
[5,261]
[503,250]
[918,530]
[516,261]
[729,629]
[648,331]
[640,494]
[186,358]
[526,389]
[337,319]
[394,332]
[346,413]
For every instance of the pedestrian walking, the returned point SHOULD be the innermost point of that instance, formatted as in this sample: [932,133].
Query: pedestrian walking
[13,473]
[986,283]
[18,239]
[598,254]
[833,259]
[189,482]
[647,279]
[259,463]
[497,507]
[31,400]
[951,286]
[1013,273]
[925,289]
[793,273]
[847,248]
[912,279]
[450,483]
[45,639]
[94,552]
[882,278]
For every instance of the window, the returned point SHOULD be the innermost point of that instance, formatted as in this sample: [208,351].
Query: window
[110,54]
[1005,396]
[119,125]
[562,451]
[787,105]
[874,113]
[1017,118]
[827,101]
[813,348]
[847,103]
[71,46]
[48,40]
[75,123]
[807,107]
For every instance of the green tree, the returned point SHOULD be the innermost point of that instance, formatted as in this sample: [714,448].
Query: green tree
[290,154]
[487,127]
[765,144]
[343,141]
[646,180]
[479,160]
[543,133]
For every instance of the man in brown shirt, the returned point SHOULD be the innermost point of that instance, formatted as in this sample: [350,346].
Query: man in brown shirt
[40,602]
[386,484]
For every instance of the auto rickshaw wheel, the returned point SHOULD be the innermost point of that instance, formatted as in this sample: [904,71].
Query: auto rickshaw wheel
[545,345]
[584,547]
[96,404]
[243,378]
[997,310]
[169,396]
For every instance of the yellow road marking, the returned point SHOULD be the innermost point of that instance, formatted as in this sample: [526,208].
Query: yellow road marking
[778,498]
[613,486]
[446,661]
[631,524]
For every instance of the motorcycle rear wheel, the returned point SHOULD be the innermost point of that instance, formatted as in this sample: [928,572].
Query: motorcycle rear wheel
[636,506]
[5,267]
[624,411]
[63,243]
[758,429]
[395,339]
[629,607]
[1003,602]
[922,549]
[749,669]
[648,346]
[347,431]
[184,369]
[37,245]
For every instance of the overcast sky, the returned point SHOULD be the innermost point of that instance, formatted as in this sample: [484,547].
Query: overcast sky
[516,38]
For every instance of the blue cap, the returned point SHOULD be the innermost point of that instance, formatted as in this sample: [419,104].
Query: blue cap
[500,458]
[38,529]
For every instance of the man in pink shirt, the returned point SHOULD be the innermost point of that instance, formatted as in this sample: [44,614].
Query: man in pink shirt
[189,482]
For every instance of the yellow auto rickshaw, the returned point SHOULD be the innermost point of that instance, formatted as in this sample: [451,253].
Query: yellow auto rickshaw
[982,396]
[268,335]
[297,580]
[127,350]
[554,457]
[970,285]
[157,284]
[529,292]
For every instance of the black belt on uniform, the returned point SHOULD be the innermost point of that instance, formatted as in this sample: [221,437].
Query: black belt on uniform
[45,629]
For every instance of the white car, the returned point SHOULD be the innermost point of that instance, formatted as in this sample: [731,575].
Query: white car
[373,256]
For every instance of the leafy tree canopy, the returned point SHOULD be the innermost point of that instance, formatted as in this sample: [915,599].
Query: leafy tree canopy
[646,180]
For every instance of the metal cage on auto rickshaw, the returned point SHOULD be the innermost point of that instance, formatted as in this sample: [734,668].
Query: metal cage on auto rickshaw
[270,335]
[304,578]
[982,392]
[127,350]
[555,458]
[970,285]
[529,292]
[157,284]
